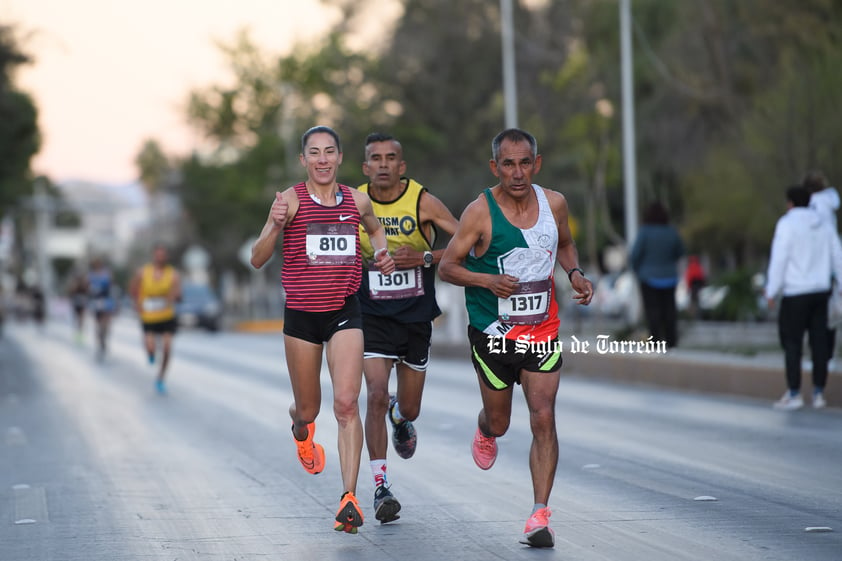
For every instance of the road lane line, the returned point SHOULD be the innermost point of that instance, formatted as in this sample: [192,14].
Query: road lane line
[30,504]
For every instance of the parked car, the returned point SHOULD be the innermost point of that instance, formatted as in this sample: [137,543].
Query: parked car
[199,307]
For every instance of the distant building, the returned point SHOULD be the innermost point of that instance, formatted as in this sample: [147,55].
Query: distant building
[111,217]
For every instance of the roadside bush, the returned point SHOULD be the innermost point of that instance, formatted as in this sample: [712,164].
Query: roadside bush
[741,301]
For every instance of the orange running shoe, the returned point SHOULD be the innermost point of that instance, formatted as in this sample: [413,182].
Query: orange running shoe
[349,517]
[310,454]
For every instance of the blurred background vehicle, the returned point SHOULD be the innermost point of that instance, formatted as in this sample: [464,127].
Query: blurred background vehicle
[614,294]
[710,297]
[199,307]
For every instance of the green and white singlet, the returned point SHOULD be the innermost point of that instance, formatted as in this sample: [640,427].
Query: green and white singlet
[529,254]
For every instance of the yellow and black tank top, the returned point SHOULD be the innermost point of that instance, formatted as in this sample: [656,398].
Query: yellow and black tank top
[154,291]
[408,295]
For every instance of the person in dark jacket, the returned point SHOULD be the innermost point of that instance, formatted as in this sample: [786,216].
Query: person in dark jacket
[654,259]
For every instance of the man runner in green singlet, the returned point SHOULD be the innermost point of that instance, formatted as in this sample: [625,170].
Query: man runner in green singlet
[504,254]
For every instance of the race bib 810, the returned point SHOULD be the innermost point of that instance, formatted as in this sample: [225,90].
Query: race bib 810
[331,244]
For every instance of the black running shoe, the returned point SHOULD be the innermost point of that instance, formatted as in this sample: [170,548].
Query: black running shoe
[404,438]
[386,506]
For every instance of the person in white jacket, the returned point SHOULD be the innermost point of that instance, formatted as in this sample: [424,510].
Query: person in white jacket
[806,253]
[824,199]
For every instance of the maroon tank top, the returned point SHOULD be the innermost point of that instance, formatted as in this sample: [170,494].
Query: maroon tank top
[322,260]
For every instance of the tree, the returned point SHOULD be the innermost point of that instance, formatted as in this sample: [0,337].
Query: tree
[252,129]
[153,166]
[440,73]
[722,110]
[722,123]
[19,136]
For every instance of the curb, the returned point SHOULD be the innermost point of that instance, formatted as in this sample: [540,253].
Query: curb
[259,326]
[708,372]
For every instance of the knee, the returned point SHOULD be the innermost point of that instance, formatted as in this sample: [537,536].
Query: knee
[542,421]
[345,409]
[411,411]
[377,397]
[303,414]
[497,425]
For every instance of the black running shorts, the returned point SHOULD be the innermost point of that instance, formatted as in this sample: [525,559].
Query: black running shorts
[404,342]
[160,327]
[318,327]
[499,361]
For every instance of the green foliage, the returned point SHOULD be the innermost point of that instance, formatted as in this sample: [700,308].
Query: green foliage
[153,166]
[227,203]
[733,101]
[253,129]
[738,192]
[19,141]
[19,136]
[741,301]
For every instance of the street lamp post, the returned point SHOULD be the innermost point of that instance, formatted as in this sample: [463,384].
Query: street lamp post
[509,78]
[43,217]
[629,156]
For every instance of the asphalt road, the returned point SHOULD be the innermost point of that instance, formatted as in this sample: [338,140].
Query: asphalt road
[95,466]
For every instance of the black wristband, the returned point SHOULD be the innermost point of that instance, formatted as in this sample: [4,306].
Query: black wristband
[573,270]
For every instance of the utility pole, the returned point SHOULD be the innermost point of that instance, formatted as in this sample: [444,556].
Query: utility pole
[509,77]
[629,154]
[43,216]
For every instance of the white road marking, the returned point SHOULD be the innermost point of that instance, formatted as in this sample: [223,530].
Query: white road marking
[30,504]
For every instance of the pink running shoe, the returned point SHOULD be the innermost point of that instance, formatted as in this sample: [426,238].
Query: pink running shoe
[484,450]
[537,532]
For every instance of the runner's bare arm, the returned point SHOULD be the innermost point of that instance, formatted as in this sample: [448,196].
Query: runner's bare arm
[568,256]
[435,211]
[431,211]
[283,208]
[472,233]
[175,289]
[134,289]
[375,231]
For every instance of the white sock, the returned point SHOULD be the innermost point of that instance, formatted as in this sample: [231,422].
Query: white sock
[378,471]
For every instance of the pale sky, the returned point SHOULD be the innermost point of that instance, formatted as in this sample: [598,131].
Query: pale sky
[110,73]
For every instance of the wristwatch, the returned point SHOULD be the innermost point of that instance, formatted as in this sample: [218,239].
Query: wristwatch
[573,270]
[428,259]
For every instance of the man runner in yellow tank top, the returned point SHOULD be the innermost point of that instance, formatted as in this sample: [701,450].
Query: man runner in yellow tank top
[155,288]
[397,309]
